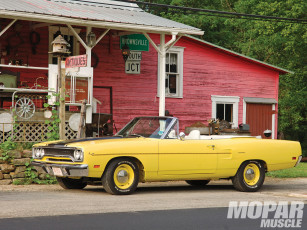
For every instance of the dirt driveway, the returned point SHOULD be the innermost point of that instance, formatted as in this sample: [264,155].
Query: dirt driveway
[50,200]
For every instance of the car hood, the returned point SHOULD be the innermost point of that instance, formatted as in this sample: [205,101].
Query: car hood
[64,143]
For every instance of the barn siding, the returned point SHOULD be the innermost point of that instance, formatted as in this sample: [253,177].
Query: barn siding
[207,71]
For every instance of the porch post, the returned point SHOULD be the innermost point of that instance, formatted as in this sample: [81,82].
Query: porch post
[162,75]
[89,109]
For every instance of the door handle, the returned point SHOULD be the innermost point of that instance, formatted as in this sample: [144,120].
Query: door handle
[212,146]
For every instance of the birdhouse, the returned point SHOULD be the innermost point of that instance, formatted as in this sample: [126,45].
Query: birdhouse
[59,45]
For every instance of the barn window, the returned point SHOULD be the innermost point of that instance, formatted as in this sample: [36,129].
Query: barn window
[174,73]
[224,112]
[226,108]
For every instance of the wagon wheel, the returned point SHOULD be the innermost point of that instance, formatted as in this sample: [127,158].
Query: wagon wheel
[25,108]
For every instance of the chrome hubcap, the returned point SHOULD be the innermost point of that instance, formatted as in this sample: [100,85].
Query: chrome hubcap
[122,176]
[250,174]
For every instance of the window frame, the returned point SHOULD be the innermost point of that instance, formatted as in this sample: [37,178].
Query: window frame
[234,100]
[179,51]
[64,31]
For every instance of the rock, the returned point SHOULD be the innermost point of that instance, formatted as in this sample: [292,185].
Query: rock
[40,170]
[20,169]
[18,175]
[26,154]
[43,176]
[1,176]
[6,176]
[5,182]
[6,168]
[14,154]
[22,161]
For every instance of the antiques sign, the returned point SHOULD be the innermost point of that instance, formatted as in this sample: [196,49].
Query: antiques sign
[76,61]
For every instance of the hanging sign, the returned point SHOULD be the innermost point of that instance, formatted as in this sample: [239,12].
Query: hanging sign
[136,42]
[135,56]
[76,61]
[132,67]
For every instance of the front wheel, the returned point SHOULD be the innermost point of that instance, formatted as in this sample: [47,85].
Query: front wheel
[68,183]
[249,177]
[121,177]
[198,183]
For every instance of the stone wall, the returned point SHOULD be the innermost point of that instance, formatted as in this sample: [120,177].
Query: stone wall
[16,166]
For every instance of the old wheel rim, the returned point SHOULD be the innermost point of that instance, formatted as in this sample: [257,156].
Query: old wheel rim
[25,108]
[251,174]
[123,176]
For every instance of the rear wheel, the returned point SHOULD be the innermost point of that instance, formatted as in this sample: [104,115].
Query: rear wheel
[121,177]
[198,183]
[68,183]
[249,177]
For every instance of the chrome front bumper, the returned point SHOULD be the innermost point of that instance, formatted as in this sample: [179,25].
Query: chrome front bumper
[299,160]
[63,170]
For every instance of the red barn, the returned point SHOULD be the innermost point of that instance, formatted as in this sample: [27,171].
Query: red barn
[201,80]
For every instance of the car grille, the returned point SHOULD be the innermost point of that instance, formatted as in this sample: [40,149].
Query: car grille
[60,152]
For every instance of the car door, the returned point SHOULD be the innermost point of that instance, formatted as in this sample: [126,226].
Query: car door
[177,157]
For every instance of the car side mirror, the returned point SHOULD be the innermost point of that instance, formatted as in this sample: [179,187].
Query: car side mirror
[182,136]
[267,133]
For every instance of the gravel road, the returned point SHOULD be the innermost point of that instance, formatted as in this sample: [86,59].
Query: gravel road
[52,200]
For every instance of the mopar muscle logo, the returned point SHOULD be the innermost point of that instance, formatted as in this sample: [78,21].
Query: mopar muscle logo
[273,215]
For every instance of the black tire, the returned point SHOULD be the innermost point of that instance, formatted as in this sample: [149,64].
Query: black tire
[198,183]
[127,177]
[68,183]
[249,182]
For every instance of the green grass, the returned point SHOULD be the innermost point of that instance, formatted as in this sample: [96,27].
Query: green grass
[299,171]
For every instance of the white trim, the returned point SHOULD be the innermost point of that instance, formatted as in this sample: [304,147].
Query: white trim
[273,121]
[161,77]
[24,67]
[7,27]
[244,111]
[180,52]
[234,100]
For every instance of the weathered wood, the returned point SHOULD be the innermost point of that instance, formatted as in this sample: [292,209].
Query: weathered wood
[82,119]
[62,100]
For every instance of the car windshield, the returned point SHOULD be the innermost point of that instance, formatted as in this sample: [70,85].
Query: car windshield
[153,127]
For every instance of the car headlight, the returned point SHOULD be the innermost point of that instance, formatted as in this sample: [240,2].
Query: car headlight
[38,152]
[41,153]
[78,155]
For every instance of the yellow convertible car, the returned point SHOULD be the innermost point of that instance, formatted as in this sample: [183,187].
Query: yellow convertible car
[152,149]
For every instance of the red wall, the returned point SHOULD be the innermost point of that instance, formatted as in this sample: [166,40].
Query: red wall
[21,48]
[207,71]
